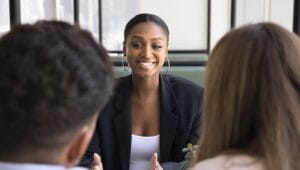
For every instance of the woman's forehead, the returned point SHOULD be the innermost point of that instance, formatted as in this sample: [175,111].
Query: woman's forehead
[147,29]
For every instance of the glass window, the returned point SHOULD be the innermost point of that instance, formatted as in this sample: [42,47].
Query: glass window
[33,10]
[220,20]
[280,12]
[89,16]
[115,14]
[4,17]
[65,10]
[187,21]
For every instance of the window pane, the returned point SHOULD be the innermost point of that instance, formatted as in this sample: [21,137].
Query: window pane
[65,10]
[4,16]
[115,14]
[187,21]
[280,12]
[89,16]
[33,10]
[220,20]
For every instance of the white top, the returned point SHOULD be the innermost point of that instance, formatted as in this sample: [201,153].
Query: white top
[231,162]
[32,166]
[142,148]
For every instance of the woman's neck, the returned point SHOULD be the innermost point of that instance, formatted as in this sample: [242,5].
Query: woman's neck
[145,86]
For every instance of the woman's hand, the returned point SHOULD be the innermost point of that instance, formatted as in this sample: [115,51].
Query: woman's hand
[97,163]
[154,164]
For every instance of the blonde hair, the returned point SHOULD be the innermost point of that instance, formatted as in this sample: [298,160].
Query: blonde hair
[252,96]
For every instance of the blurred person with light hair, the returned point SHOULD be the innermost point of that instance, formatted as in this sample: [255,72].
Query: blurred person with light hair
[251,118]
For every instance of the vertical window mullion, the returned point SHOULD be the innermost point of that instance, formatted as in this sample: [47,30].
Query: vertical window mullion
[100,20]
[14,11]
[76,12]
[296,17]
[233,13]
[208,26]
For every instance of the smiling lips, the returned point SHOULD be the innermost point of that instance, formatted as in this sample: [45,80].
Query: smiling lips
[146,64]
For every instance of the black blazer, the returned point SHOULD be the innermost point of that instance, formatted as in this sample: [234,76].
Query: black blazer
[180,111]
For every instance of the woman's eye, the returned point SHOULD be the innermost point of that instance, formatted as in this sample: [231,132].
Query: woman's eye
[136,45]
[156,46]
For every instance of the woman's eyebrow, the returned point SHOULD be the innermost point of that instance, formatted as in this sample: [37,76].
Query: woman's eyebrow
[158,38]
[136,37]
[141,38]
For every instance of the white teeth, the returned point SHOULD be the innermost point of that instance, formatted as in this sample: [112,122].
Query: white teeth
[147,64]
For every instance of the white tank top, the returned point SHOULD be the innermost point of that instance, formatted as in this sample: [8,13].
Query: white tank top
[142,148]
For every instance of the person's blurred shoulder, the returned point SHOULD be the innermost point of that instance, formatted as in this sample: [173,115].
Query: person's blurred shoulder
[230,162]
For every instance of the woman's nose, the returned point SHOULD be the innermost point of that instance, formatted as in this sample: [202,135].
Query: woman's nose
[147,52]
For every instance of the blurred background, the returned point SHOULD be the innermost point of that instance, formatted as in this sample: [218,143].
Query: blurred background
[195,25]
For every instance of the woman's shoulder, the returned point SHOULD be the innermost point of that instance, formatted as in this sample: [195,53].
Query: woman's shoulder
[180,81]
[122,82]
[123,79]
[231,162]
[183,88]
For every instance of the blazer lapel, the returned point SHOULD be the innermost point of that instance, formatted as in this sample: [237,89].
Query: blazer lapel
[122,122]
[168,120]
[168,117]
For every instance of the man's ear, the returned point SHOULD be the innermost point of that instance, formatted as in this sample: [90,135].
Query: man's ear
[79,145]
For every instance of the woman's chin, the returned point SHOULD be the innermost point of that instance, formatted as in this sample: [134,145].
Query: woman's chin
[145,74]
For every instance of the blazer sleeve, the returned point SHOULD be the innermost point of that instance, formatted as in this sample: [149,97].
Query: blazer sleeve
[190,97]
[196,122]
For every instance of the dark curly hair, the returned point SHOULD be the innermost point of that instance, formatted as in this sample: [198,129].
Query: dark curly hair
[54,78]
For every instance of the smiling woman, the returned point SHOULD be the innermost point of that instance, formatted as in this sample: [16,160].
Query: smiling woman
[146,49]
[162,110]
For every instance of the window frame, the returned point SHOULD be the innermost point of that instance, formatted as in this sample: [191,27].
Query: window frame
[15,18]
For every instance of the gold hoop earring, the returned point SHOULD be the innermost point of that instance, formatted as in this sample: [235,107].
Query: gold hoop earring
[125,68]
[169,64]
